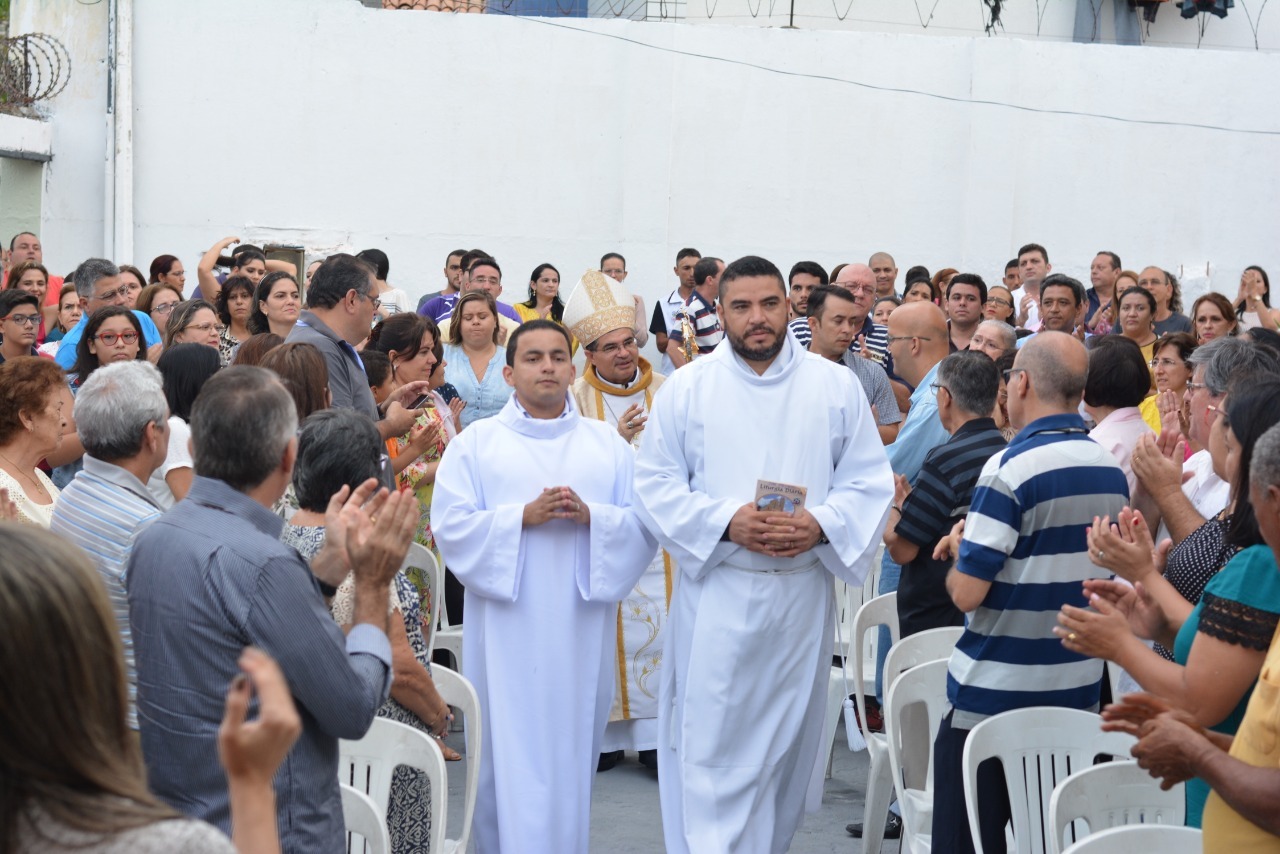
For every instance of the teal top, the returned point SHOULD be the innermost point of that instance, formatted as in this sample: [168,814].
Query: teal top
[1240,605]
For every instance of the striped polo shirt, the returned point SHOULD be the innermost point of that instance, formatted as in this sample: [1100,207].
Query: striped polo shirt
[1025,534]
[706,324]
[102,511]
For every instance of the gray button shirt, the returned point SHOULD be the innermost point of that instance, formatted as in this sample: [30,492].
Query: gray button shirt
[205,580]
[348,383]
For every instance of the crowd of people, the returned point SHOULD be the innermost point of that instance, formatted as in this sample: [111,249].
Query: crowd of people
[210,496]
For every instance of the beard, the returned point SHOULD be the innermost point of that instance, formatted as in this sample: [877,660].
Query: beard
[757,354]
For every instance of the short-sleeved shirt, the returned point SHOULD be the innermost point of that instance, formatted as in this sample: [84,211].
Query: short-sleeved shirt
[439,308]
[178,457]
[706,325]
[1025,534]
[921,432]
[348,383]
[662,322]
[939,498]
[1193,562]
[1240,606]
[1257,743]
[875,382]
[1173,323]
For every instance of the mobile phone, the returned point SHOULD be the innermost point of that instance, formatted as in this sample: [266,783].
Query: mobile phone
[420,402]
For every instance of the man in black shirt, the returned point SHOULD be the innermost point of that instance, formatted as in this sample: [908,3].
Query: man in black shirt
[924,512]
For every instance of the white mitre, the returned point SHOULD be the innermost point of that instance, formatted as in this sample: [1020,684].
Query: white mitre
[597,305]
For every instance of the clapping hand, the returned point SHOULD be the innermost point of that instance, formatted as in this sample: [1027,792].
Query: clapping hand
[1123,547]
[1100,633]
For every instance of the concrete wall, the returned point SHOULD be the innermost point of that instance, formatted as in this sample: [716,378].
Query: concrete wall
[337,126]
[72,210]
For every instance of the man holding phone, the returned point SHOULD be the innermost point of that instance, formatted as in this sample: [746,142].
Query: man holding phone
[341,303]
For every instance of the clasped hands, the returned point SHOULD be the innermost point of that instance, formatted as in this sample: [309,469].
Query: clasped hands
[556,502]
[769,532]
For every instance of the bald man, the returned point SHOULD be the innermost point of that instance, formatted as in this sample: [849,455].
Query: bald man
[886,272]
[1161,286]
[1022,557]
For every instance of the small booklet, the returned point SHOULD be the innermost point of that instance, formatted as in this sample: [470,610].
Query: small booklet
[779,497]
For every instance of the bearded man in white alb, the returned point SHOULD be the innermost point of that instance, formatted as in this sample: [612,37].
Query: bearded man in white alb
[753,427]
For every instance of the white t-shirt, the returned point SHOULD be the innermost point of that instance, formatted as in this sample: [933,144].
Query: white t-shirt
[394,301]
[1033,310]
[179,457]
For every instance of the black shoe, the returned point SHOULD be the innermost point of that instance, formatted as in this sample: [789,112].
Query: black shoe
[892,828]
[608,760]
[649,759]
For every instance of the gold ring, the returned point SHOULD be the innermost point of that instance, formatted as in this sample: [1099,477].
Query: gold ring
[1071,637]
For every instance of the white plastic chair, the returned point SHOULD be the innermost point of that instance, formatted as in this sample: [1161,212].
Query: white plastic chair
[420,557]
[880,611]
[1039,747]
[461,695]
[360,815]
[448,635]
[848,601]
[910,746]
[1141,839]
[367,765]
[1113,794]
[914,650]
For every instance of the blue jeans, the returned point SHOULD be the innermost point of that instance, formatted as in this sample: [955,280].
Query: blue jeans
[890,573]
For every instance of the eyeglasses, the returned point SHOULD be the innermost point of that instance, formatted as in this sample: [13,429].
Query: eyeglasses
[892,338]
[163,309]
[376,302]
[1003,303]
[1011,371]
[1164,363]
[24,319]
[1195,386]
[121,292]
[612,349]
[1214,411]
[110,338]
[207,327]
[861,289]
[937,386]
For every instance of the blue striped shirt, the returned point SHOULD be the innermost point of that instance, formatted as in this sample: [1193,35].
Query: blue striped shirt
[1025,534]
[207,579]
[102,511]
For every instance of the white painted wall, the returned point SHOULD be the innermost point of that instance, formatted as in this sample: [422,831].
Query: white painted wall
[327,123]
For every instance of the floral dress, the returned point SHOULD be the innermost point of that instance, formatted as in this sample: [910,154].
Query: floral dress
[414,477]
[409,810]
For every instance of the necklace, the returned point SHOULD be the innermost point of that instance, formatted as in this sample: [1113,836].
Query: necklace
[18,470]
